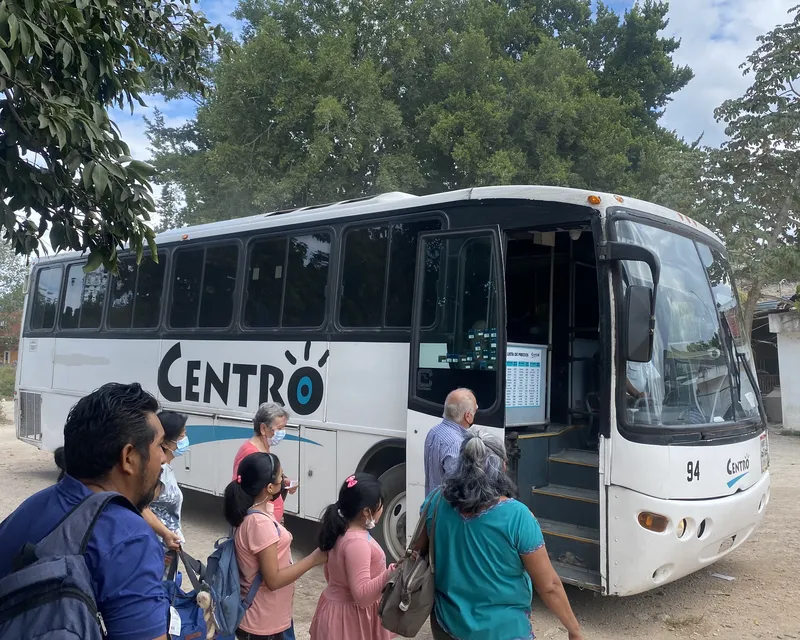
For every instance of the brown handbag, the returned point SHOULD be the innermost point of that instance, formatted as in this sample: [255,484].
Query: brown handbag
[408,596]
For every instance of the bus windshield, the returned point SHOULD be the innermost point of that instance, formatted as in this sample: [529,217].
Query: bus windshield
[698,372]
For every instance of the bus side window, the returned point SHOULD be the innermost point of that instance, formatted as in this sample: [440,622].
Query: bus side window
[286,282]
[364,277]
[265,277]
[378,274]
[213,269]
[46,298]
[123,286]
[188,271]
[84,296]
[149,291]
[219,285]
[307,261]
[136,294]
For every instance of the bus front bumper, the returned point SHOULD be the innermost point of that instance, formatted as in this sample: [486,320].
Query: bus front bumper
[640,560]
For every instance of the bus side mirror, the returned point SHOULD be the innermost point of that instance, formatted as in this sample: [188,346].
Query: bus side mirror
[640,301]
[639,324]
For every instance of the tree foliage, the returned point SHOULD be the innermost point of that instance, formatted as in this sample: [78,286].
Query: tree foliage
[324,101]
[63,164]
[751,187]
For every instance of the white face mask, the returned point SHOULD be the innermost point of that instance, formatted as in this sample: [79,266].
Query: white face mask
[370,523]
[276,437]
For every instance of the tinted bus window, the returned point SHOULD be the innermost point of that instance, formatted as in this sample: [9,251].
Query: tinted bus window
[364,277]
[370,297]
[186,288]
[213,269]
[46,297]
[84,296]
[306,280]
[219,285]
[265,278]
[149,291]
[402,265]
[136,294]
[123,287]
[286,282]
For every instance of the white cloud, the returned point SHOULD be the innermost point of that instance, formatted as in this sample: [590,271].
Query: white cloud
[716,38]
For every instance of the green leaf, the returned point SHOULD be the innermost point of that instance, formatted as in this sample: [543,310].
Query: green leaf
[151,243]
[37,32]
[61,133]
[24,40]
[142,169]
[87,174]
[58,237]
[6,63]
[94,262]
[66,53]
[100,179]
[13,26]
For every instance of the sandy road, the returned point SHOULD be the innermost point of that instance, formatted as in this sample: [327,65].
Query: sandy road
[763,601]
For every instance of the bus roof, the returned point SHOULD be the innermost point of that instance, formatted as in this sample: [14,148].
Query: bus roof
[398,201]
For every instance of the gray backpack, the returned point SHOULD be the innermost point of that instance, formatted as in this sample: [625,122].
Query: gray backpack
[49,594]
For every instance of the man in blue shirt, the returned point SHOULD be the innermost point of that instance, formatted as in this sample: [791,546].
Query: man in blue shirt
[113,441]
[443,442]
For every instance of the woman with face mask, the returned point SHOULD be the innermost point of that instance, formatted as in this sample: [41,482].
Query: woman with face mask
[356,571]
[263,547]
[269,425]
[164,512]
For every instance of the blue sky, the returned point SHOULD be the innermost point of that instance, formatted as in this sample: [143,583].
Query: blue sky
[716,35]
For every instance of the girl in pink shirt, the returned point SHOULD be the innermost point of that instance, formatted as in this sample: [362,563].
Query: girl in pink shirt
[263,547]
[356,571]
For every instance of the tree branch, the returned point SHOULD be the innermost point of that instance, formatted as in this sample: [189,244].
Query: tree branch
[13,109]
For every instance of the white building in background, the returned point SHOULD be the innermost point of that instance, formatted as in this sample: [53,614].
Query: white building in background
[787,327]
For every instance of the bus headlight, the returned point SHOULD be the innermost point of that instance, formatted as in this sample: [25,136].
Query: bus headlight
[653,522]
[681,528]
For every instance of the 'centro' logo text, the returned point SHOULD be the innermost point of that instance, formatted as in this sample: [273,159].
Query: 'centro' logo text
[304,390]
[738,466]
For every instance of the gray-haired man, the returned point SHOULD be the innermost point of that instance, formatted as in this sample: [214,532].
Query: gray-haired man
[443,443]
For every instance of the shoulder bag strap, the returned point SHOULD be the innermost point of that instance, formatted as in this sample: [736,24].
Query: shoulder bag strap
[189,564]
[419,528]
[431,535]
[251,594]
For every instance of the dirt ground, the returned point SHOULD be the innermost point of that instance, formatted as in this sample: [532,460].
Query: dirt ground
[762,602]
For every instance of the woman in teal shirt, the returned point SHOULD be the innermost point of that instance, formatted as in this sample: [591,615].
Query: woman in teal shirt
[489,552]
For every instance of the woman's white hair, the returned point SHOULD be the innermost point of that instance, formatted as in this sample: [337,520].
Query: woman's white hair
[267,413]
[479,478]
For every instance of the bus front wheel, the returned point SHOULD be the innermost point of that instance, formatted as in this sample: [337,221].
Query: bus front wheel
[391,530]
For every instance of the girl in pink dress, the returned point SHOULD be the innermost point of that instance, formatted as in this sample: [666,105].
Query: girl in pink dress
[356,571]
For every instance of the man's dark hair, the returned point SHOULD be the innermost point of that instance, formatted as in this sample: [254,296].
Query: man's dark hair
[101,424]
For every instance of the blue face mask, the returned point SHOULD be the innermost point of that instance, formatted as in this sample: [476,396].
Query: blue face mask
[183,446]
[277,437]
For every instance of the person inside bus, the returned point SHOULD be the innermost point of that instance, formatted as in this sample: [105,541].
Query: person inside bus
[113,441]
[488,551]
[269,425]
[263,547]
[356,571]
[443,442]
[164,512]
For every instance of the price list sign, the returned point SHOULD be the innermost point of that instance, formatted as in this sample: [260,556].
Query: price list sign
[525,383]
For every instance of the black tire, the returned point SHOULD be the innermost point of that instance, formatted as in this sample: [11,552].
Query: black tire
[390,532]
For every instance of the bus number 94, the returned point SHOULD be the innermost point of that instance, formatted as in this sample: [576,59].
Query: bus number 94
[692,471]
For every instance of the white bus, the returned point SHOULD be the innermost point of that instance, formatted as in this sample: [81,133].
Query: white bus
[601,335]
